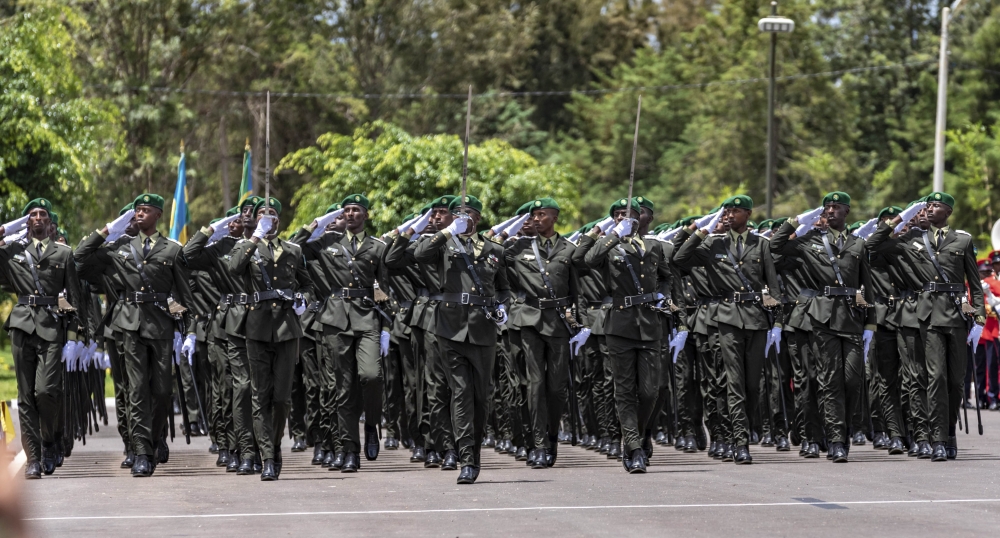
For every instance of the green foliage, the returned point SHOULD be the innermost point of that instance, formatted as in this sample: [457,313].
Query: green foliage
[975,153]
[53,140]
[400,173]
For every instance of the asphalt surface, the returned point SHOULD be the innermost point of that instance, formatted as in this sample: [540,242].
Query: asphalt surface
[586,494]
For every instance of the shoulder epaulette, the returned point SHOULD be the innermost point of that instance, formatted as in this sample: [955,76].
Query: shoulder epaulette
[58,244]
[174,241]
[963,232]
[379,240]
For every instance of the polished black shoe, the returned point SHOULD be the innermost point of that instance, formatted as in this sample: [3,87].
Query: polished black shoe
[33,470]
[194,429]
[407,443]
[318,455]
[700,439]
[162,451]
[951,448]
[895,446]
[754,438]
[267,473]
[371,443]
[223,458]
[603,445]
[351,463]
[781,444]
[679,443]
[433,460]
[638,462]
[767,441]
[48,460]
[564,437]
[627,461]
[660,437]
[742,455]
[537,459]
[450,461]
[530,460]
[299,445]
[615,451]
[590,443]
[812,452]
[277,466]
[938,452]
[508,447]
[328,457]
[129,460]
[720,449]
[213,448]
[728,455]
[837,453]
[246,467]
[258,465]
[858,439]
[689,446]
[880,441]
[337,461]
[142,468]
[234,463]
[712,448]
[914,450]
[489,441]
[551,454]
[925,450]
[467,476]
[521,454]
[419,455]
[804,448]
[391,443]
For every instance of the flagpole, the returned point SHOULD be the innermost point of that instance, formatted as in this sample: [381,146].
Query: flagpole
[267,157]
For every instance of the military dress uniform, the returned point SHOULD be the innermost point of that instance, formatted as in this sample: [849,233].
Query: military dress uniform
[274,273]
[466,332]
[38,271]
[152,270]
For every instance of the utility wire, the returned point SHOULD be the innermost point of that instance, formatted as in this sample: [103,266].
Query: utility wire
[368,96]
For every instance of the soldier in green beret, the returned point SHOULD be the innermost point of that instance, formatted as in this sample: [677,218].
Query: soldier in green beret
[156,293]
[943,263]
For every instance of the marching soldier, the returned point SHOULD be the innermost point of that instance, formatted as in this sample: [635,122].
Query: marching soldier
[156,288]
[944,261]
[39,269]
[739,265]
[474,292]
[275,276]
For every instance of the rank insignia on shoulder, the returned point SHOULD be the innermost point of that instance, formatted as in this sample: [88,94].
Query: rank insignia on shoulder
[919,245]
[529,257]
[493,258]
[123,253]
[332,250]
[721,256]
[18,258]
[618,259]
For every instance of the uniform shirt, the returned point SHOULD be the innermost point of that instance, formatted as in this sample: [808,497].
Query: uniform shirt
[934,234]
[991,331]
[38,246]
[355,240]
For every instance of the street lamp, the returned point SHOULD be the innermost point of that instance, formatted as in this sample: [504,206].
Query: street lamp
[942,98]
[772,25]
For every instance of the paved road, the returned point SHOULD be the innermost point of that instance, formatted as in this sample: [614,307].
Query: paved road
[585,495]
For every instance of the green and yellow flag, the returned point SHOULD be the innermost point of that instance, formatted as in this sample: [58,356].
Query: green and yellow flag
[246,186]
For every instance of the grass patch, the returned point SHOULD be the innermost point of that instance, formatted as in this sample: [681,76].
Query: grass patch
[8,381]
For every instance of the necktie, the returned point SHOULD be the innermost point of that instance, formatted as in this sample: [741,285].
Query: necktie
[145,248]
[548,248]
[840,241]
[739,247]
[38,250]
[939,239]
[270,249]
[354,245]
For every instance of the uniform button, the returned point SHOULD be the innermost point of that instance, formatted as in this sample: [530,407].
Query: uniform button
[742,288]
[142,289]
[275,278]
[274,305]
[473,289]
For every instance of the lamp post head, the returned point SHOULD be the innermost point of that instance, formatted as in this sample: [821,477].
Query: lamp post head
[776,25]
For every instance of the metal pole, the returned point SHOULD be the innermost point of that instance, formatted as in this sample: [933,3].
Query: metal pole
[267,156]
[942,103]
[770,118]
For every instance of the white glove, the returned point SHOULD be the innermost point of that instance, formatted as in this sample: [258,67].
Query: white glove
[669,234]
[459,226]
[606,225]
[188,348]
[574,237]
[264,225]
[499,228]
[15,225]
[908,215]
[660,300]
[677,343]
[623,228]
[867,228]
[712,224]
[516,226]
[767,233]
[117,227]
[701,223]
[503,314]
[92,355]
[178,342]
[321,224]
[810,217]
[421,223]
[577,342]
[383,344]
[67,350]
[773,339]
[403,228]
[221,229]
[866,337]
[99,359]
[974,335]
[299,307]
[8,239]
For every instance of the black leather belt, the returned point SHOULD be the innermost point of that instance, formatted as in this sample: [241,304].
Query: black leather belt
[230,299]
[352,293]
[738,297]
[465,298]
[423,292]
[600,304]
[267,295]
[709,300]
[37,300]
[940,287]
[829,291]
[634,300]
[138,298]
[546,304]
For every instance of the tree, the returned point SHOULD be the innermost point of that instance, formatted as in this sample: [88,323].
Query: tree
[400,173]
[54,142]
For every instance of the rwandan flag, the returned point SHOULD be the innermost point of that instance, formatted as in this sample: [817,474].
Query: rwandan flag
[246,186]
[179,210]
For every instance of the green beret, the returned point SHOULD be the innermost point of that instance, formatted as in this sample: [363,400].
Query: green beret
[355,199]
[776,223]
[621,203]
[213,221]
[471,202]
[37,202]
[232,211]
[544,203]
[332,208]
[409,216]
[686,221]
[890,211]
[442,201]
[150,199]
[427,207]
[644,202]
[752,225]
[740,201]
[125,209]
[764,224]
[250,201]
[587,227]
[917,201]
[837,197]
[659,227]
[525,207]
[60,232]
[54,217]
[274,204]
[941,197]
[856,225]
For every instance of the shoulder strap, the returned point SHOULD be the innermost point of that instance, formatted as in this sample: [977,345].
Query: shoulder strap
[138,265]
[541,268]
[930,252]
[468,263]
[739,272]
[832,258]
[263,269]
[34,272]
[631,270]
